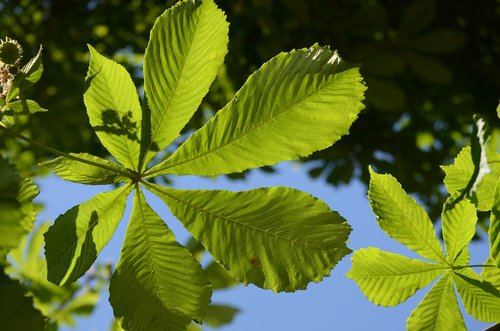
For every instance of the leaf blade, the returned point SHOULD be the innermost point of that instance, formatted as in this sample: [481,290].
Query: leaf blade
[402,218]
[75,239]
[295,104]
[263,225]
[113,107]
[85,173]
[388,279]
[439,310]
[186,49]
[459,226]
[168,285]
[494,230]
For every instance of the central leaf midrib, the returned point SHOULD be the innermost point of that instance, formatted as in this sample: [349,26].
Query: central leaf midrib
[408,273]
[224,218]
[285,109]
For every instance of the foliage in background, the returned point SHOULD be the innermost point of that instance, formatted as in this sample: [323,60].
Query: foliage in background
[429,64]
[388,279]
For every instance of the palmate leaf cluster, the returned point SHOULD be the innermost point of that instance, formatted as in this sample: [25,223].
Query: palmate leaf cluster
[388,279]
[276,238]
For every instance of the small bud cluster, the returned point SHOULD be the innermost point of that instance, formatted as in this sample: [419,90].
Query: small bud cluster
[11,54]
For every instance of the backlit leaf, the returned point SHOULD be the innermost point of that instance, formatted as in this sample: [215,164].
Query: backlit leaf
[78,236]
[185,51]
[276,238]
[113,108]
[157,285]
[388,279]
[494,230]
[439,310]
[402,218]
[295,104]
[481,299]
[96,171]
[26,77]
[459,226]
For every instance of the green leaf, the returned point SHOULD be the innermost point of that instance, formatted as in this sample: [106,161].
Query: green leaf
[24,107]
[276,238]
[494,230]
[491,274]
[481,299]
[218,277]
[185,51]
[429,69]
[459,226]
[16,309]
[26,77]
[418,15]
[113,108]
[157,285]
[295,104]
[96,171]
[218,315]
[78,236]
[460,174]
[438,310]
[402,218]
[17,212]
[388,279]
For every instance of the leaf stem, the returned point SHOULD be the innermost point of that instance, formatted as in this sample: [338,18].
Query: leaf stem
[475,266]
[63,154]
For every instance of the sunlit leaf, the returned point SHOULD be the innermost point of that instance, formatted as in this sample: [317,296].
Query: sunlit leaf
[439,310]
[295,104]
[114,109]
[185,51]
[459,226]
[78,236]
[402,218]
[481,299]
[494,230]
[26,77]
[388,279]
[157,285]
[96,171]
[276,238]
[24,107]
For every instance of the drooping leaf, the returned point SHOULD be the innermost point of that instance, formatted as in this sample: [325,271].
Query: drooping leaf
[157,285]
[24,107]
[26,77]
[459,226]
[276,238]
[402,218]
[494,230]
[460,174]
[295,104]
[185,51]
[481,299]
[388,279]
[16,309]
[439,310]
[218,315]
[96,171]
[78,236]
[113,107]
[17,212]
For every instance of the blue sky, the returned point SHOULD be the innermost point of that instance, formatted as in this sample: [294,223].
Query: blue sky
[334,304]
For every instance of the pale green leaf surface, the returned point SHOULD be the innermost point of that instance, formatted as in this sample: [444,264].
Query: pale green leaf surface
[494,230]
[459,174]
[481,299]
[24,107]
[113,107]
[439,310]
[85,173]
[185,51]
[78,236]
[295,104]
[276,238]
[491,274]
[26,77]
[459,226]
[402,218]
[388,279]
[157,285]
